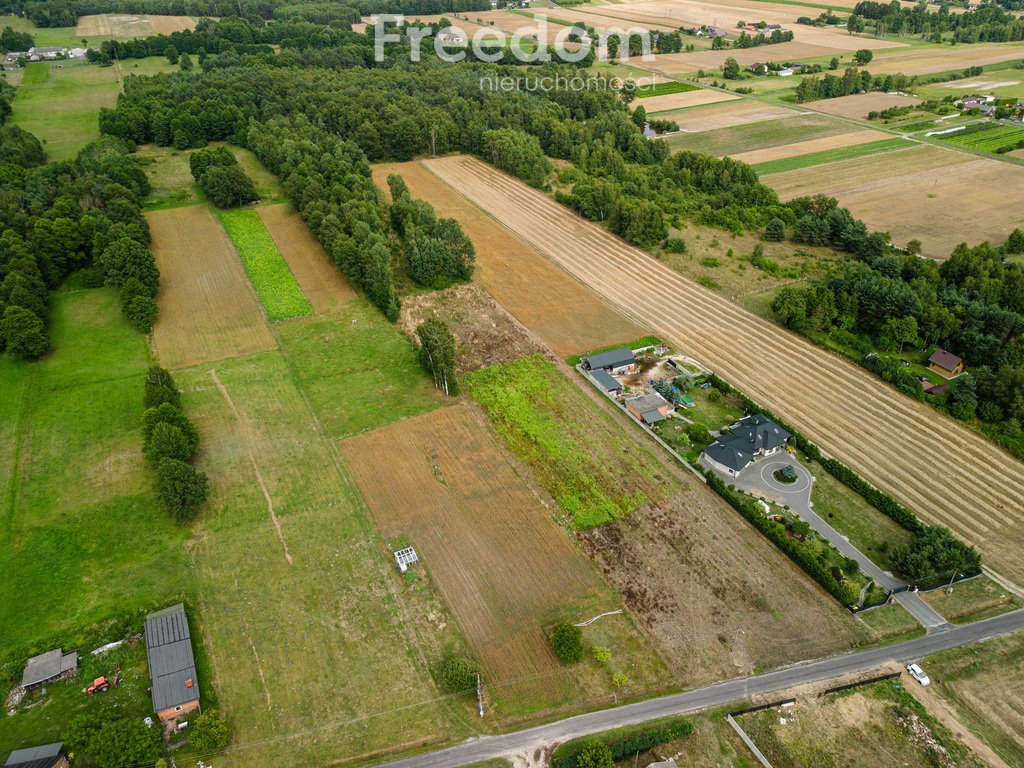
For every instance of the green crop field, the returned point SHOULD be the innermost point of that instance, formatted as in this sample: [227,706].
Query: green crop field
[830,156]
[663,89]
[987,137]
[759,135]
[273,280]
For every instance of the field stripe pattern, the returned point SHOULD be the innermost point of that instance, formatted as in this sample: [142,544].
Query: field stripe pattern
[947,473]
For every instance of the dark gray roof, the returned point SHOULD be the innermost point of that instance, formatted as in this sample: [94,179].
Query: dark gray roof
[757,433]
[47,666]
[36,757]
[171,663]
[648,406]
[729,455]
[613,358]
[606,381]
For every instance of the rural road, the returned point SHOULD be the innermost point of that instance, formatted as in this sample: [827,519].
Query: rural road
[487,747]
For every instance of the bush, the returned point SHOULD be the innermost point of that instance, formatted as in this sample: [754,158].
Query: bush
[160,388]
[601,654]
[775,230]
[23,333]
[935,554]
[623,743]
[228,186]
[208,733]
[698,434]
[595,754]
[181,490]
[171,414]
[458,674]
[567,643]
[675,245]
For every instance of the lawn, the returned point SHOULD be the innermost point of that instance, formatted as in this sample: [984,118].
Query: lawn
[82,540]
[890,621]
[829,156]
[273,280]
[577,452]
[663,89]
[971,600]
[358,370]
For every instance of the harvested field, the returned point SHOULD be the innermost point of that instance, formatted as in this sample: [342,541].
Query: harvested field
[566,316]
[485,333]
[858,105]
[681,100]
[320,281]
[125,26]
[979,85]
[918,193]
[727,115]
[487,535]
[677,63]
[926,460]
[761,135]
[924,61]
[851,139]
[207,309]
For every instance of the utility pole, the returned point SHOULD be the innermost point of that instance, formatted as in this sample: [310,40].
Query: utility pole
[949,587]
[479,695]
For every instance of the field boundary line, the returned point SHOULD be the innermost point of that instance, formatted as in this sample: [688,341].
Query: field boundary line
[748,741]
[252,460]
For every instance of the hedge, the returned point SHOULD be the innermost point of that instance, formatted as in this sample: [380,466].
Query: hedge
[747,506]
[624,742]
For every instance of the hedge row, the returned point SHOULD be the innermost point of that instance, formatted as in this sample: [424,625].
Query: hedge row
[880,500]
[747,506]
[624,742]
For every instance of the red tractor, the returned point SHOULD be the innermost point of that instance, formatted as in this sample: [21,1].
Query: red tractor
[98,685]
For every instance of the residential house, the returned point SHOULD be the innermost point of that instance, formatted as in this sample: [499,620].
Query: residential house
[748,439]
[606,382]
[11,60]
[52,665]
[650,408]
[971,102]
[172,667]
[619,360]
[39,54]
[988,110]
[46,756]
[946,364]
[758,67]
[785,72]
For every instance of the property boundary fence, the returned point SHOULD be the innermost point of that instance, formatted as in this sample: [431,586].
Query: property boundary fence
[859,683]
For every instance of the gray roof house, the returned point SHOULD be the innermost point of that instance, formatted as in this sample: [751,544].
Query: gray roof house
[750,437]
[605,381]
[49,666]
[172,667]
[732,457]
[46,756]
[613,359]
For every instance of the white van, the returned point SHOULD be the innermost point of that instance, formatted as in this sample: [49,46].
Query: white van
[918,674]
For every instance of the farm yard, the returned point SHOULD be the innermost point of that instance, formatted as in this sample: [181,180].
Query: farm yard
[474,508]
[849,413]
[208,310]
[566,316]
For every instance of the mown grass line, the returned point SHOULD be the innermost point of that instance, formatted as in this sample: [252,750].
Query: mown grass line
[830,156]
[274,282]
[664,89]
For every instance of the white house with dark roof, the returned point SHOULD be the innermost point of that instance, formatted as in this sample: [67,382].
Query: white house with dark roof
[748,439]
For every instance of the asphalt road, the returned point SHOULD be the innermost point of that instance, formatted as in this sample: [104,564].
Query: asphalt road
[486,747]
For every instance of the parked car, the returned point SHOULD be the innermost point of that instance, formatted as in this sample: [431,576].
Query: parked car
[918,674]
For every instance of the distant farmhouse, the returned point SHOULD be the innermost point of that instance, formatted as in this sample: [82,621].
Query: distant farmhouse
[46,756]
[52,665]
[946,364]
[619,360]
[750,438]
[172,666]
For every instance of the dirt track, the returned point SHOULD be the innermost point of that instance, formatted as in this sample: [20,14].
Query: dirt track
[947,473]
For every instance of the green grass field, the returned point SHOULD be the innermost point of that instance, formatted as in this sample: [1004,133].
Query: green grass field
[273,280]
[987,137]
[662,89]
[759,135]
[60,102]
[831,156]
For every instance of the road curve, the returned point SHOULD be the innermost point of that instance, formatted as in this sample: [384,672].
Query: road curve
[487,747]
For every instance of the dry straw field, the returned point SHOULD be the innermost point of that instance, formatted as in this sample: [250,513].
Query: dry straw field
[858,106]
[851,139]
[127,26]
[927,461]
[726,115]
[682,100]
[208,310]
[567,316]
[318,278]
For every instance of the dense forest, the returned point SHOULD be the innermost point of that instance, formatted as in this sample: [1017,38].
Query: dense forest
[989,23]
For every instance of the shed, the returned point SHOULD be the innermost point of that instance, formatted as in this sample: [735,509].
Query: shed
[946,364]
[45,756]
[51,665]
[606,382]
[406,557]
[614,360]
[172,666]
[650,408]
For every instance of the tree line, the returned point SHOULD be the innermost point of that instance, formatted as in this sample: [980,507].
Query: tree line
[988,23]
[852,81]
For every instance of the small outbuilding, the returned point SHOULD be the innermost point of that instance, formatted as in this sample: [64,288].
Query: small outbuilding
[606,382]
[619,360]
[46,756]
[172,666]
[405,557]
[52,665]
[946,364]
[650,408]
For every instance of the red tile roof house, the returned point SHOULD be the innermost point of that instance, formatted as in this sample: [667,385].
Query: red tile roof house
[946,364]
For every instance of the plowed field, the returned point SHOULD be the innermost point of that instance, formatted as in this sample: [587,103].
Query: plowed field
[947,473]
[208,310]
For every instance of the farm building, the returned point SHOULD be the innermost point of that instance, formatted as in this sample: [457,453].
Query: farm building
[934,389]
[606,382]
[46,756]
[39,54]
[619,360]
[748,439]
[650,408]
[52,665]
[946,364]
[172,667]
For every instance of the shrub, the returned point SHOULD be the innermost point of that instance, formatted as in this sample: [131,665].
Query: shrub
[458,674]
[623,743]
[167,442]
[698,434]
[619,680]
[567,643]
[601,654]
[23,333]
[675,245]
[935,553]
[775,230]
[208,733]
[171,414]
[596,754]
[181,490]
[141,312]
[160,388]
